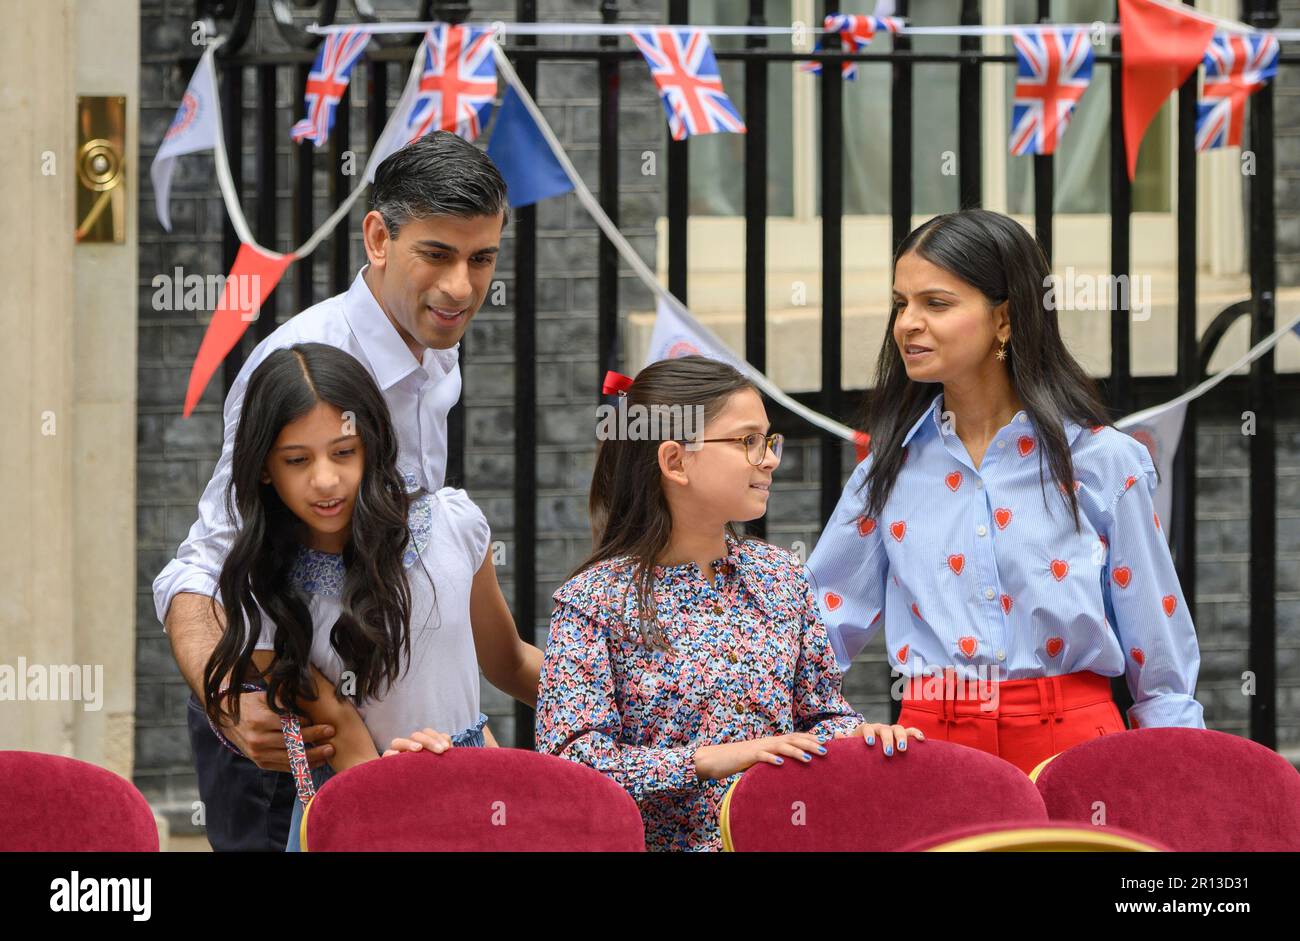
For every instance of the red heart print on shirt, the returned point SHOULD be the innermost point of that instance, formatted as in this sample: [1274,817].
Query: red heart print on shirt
[1060,569]
[1002,516]
[916,610]
[902,653]
[1156,517]
[1138,656]
[876,618]
[1130,481]
[897,529]
[1122,576]
[1025,445]
[1096,429]
[967,645]
[833,600]
[953,481]
[866,526]
[1006,604]
[956,562]
[1169,602]
[1054,645]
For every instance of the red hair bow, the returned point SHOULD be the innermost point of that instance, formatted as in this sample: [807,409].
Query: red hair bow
[616,382]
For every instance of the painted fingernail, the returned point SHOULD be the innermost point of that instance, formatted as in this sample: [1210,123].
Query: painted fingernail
[780,761]
[807,757]
[889,750]
[871,740]
[902,746]
[822,749]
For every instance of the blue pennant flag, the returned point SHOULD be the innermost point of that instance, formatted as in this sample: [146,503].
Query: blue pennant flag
[521,154]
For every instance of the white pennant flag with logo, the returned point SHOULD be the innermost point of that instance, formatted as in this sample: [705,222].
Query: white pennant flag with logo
[1159,431]
[195,127]
[673,337]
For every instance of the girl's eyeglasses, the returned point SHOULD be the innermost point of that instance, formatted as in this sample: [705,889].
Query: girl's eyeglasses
[756,445]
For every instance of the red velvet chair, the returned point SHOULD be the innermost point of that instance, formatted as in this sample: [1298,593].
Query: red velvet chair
[1193,789]
[52,804]
[1035,836]
[468,799]
[854,798]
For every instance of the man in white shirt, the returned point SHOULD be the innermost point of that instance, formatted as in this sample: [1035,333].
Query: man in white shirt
[432,237]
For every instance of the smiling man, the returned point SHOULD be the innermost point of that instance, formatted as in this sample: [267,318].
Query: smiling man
[432,238]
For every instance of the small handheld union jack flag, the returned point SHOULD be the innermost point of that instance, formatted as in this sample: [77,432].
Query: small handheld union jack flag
[1053,68]
[457,83]
[1235,66]
[326,83]
[686,73]
[856,33]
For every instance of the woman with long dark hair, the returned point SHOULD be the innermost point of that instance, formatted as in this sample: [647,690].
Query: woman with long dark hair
[1001,530]
[681,654]
[366,607]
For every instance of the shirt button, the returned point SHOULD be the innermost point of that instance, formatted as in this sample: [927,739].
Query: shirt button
[1002,655]
[979,485]
[982,530]
[1002,444]
[988,593]
[718,610]
[1023,418]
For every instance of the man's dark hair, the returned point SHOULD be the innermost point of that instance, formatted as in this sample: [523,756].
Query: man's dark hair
[438,174]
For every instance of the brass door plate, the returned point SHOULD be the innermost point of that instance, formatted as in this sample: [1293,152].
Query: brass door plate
[101,169]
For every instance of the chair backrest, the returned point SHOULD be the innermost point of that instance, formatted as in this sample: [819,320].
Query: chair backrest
[53,804]
[1035,836]
[1194,790]
[854,798]
[467,799]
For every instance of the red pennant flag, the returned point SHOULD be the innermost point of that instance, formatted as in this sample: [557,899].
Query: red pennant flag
[1162,45]
[861,445]
[251,280]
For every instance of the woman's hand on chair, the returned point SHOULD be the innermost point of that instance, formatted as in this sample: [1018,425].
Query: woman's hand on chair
[425,740]
[713,762]
[888,735]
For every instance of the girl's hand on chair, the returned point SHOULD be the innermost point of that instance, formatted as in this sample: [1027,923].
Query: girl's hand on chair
[888,735]
[426,740]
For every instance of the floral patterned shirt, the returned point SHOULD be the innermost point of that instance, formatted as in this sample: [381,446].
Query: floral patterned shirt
[750,658]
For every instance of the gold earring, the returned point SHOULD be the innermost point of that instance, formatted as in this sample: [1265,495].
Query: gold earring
[1001,354]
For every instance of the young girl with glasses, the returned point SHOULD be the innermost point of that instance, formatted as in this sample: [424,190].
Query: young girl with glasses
[681,654]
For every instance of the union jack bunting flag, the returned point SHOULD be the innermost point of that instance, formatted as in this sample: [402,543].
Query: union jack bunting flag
[326,83]
[686,73]
[856,33]
[1235,66]
[1053,67]
[457,83]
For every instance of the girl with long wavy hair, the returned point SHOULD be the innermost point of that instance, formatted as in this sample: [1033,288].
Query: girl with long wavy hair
[1001,530]
[680,653]
[363,606]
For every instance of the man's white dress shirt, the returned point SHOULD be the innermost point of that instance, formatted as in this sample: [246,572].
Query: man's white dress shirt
[419,396]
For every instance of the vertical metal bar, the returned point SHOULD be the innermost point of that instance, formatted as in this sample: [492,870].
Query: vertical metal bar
[1044,174]
[607,259]
[303,209]
[832,210]
[1119,387]
[376,100]
[340,243]
[970,143]
[266,185]
[232,109]
[525,561]
[900,140]
[756,210]
[1189,371]
[679,188]
[1263,401]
